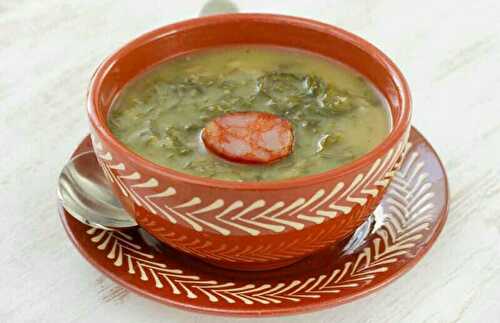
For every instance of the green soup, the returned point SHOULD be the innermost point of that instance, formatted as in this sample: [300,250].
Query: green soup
[337,115]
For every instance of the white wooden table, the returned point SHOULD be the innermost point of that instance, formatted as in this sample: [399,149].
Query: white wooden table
[448,50]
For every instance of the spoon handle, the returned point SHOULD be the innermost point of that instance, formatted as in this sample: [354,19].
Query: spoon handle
[214,7]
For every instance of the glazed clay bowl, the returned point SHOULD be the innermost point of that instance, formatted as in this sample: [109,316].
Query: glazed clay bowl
[248,226]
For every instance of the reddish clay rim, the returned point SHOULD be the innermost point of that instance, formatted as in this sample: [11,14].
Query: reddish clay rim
[400,125]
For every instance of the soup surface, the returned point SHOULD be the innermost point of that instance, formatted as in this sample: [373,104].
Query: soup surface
[336,115]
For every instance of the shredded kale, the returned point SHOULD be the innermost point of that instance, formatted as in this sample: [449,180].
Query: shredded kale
[308,101]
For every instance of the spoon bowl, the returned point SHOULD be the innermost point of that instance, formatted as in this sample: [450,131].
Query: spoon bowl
[85,193]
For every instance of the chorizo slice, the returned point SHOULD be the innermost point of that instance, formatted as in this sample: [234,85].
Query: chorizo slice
[249,137]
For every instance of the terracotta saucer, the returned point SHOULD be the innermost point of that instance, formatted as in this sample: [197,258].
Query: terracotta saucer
[393,240]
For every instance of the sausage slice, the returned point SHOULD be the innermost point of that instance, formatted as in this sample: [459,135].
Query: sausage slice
[249,137]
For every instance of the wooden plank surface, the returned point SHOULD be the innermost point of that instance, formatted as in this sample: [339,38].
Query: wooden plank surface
[448,50]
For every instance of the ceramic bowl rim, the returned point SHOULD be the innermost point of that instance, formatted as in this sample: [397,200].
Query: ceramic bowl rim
[400,126]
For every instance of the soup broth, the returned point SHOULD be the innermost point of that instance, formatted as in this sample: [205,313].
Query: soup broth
[336,114]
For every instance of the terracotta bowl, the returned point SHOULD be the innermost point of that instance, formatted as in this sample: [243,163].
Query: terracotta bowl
[248,226]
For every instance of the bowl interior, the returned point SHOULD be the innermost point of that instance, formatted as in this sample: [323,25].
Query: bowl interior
[234,29]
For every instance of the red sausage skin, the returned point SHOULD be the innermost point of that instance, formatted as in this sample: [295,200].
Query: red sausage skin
[249,137]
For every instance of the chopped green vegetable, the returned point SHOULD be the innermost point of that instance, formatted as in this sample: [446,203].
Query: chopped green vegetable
[327,140]
[332,109]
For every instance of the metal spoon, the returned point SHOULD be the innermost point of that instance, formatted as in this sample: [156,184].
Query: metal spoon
[82,187]
[85,193]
